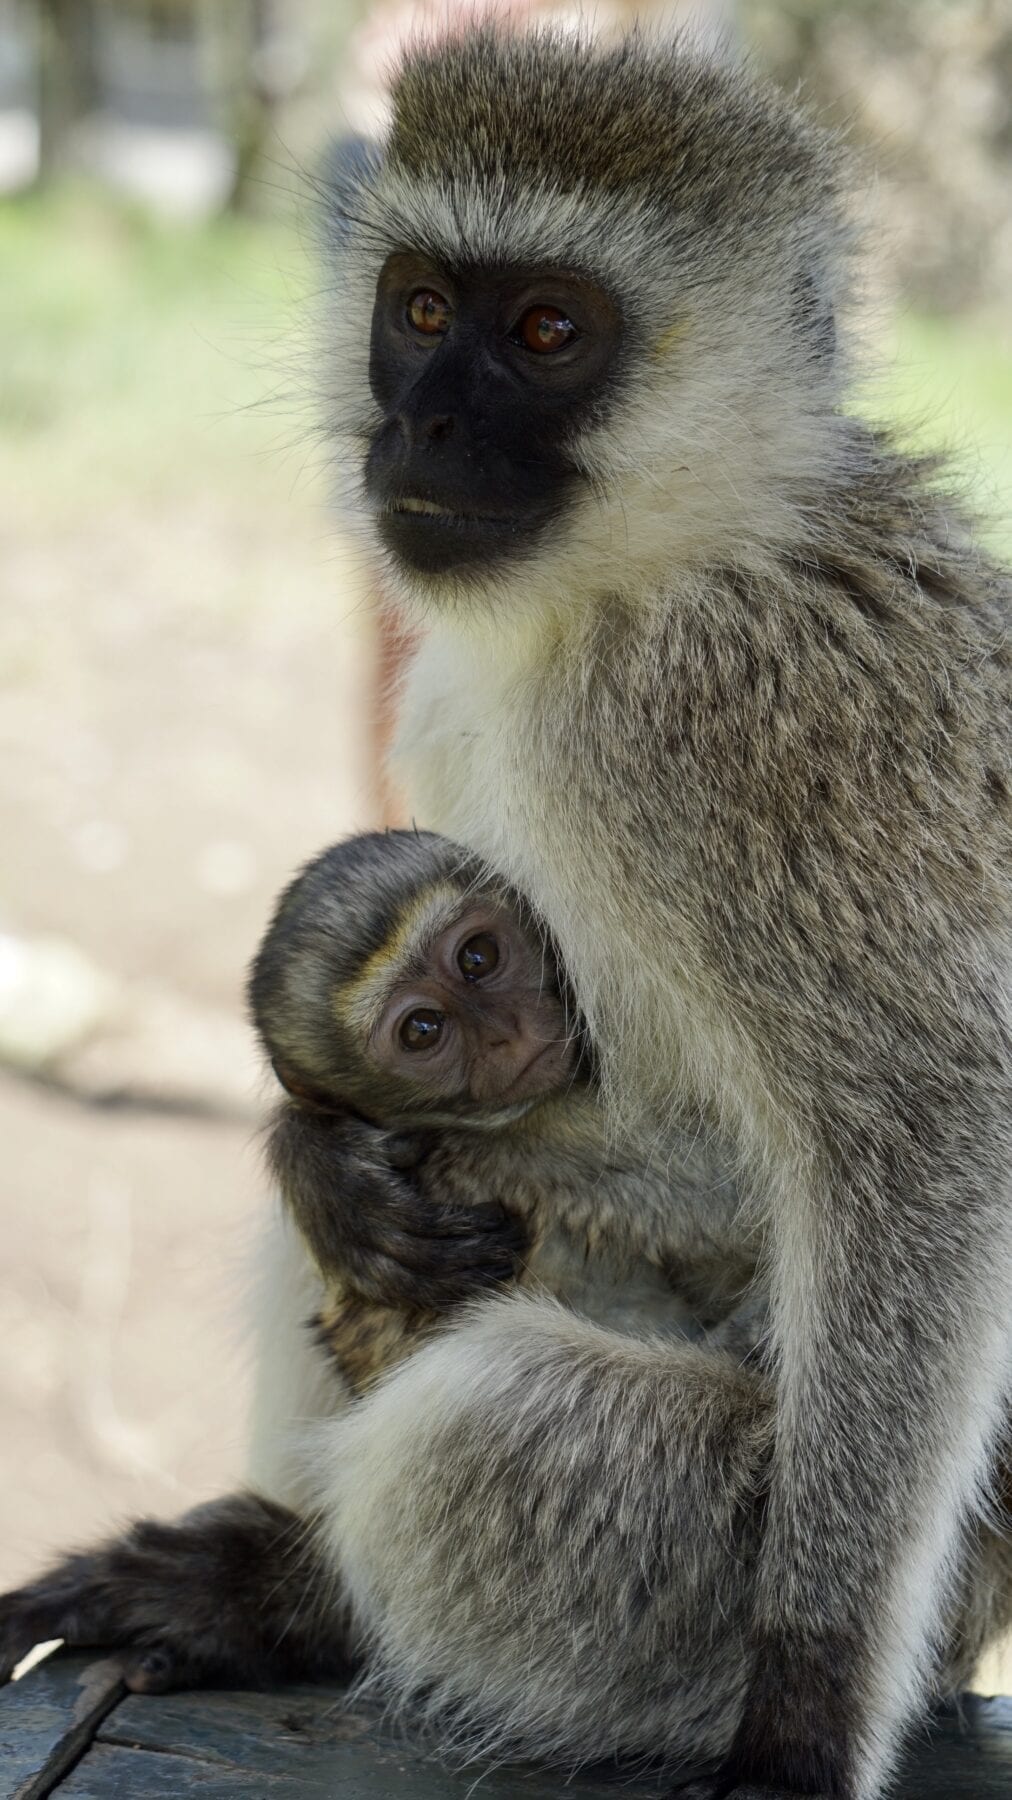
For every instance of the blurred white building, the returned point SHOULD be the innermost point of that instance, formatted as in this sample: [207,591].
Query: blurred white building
[167,100]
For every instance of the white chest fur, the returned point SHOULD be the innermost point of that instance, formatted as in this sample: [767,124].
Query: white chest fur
[481,756]
[459,752]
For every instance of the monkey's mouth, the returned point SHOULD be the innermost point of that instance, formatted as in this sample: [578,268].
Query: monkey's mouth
[542,1071]
[429,509]
[413,506]
[430,538]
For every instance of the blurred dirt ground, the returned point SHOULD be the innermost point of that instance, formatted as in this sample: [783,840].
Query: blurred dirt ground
[185,693]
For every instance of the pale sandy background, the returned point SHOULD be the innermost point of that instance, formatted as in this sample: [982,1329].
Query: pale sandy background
[184,685]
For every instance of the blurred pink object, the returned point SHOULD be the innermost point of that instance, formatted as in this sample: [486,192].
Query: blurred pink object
[376,48]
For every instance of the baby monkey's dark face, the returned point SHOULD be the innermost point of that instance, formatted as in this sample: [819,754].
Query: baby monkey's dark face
[395,979]
[475,1015]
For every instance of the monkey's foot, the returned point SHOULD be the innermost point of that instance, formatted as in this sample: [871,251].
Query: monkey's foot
[230,1594]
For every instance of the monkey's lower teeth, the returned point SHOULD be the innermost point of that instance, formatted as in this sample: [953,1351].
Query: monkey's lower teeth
[428,507]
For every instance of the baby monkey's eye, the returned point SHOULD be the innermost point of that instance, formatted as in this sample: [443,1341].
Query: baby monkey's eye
[478,957]
[429,313]
[544,329]
[422,1029]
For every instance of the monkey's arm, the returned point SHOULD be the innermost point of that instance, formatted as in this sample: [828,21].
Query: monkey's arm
[835,838]
[360,1197]
[234,1593]
[891,1259]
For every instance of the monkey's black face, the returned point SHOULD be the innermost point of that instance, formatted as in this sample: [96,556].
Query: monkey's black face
[484,378]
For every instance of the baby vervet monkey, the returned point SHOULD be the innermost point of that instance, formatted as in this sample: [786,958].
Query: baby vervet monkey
[442,1131]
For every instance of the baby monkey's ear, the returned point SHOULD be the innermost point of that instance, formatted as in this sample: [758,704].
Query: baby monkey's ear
[303,1091]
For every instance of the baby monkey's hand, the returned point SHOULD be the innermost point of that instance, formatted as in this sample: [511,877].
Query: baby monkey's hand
[359,1196]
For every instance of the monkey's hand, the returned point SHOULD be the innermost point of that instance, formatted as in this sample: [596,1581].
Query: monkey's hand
[229,1595]
[377,1220]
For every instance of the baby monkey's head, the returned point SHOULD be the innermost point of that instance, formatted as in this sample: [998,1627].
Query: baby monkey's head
[397,979]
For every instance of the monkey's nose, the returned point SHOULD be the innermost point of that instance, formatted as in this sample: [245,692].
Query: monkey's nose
[438,427]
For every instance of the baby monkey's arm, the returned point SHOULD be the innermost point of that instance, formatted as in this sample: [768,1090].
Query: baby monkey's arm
[379,1217]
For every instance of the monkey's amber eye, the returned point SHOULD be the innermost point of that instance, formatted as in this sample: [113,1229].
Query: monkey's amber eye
[429,313]
[545,328]
[422,1029]
[478,957]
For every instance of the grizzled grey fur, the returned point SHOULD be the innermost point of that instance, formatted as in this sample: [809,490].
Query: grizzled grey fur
[739,726]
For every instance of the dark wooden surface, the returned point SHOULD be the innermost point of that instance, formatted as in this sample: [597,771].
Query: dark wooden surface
[70,1729]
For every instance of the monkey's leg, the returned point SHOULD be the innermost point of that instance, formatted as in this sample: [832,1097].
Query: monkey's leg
[232,1593]
[891,1295]
[546,1529]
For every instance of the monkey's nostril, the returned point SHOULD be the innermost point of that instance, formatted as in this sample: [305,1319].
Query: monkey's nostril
[439,427]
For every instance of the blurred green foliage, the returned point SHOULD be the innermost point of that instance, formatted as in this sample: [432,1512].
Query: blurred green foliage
[947,382]
[142,358]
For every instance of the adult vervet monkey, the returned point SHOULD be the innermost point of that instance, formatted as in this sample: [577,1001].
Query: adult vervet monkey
[719,679]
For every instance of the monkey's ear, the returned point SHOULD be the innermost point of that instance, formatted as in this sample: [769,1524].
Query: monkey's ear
[348,164]
[300,1090]
[815,313]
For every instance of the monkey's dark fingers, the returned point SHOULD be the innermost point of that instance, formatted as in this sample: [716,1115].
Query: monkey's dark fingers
[385,1282]
[407,1226]
[430,1274]
[423,1221]
[490,1221]
[449,1241]
[356,1141]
